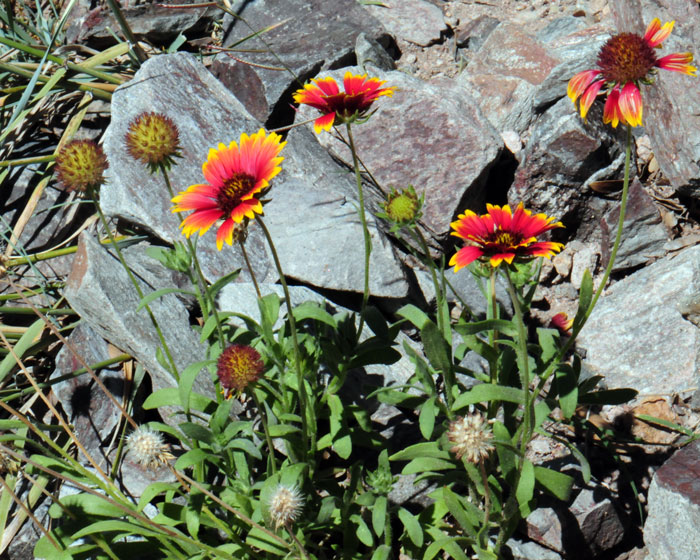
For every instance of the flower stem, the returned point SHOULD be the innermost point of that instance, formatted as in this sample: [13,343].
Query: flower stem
[250,268]
[268,438]
[300,546]
[363,220]
[487,498]
[201,281]
[117,250]
[521,350]
[578,325]
[303,397]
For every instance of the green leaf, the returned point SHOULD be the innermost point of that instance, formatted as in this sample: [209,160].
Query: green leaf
[197,432]
[217,286]
[191,457]
[45,549]
[426,419]
[187,379]
[585,295]
[414,315]
[487,392]
[343,446]
[412,526]
[506,456]
[147,299]
[269,312]
[567,389]
[427,464]
[25,342]
[435,348]
[420,450]
[526,488]
[381,553]
[312,310]
[168,396]
[548,343]
[124,527]
[465,520]
[379,515]
[260,539]
[88,504]
[670,425]
[363,532]
[481,347]
[500,325]
[376,322]
[281,430]
[558,484]
[608,396]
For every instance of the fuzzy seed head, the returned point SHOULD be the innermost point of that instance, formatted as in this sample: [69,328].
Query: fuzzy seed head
[471,437]
[285,506]
[153,139]
[238,366]
[80,165]
[147,448]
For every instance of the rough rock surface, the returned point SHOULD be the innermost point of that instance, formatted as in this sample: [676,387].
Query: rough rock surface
[310,199]
[416,21]
[448,156]
[101,292]
[670,531]
[313,35]
[637,336]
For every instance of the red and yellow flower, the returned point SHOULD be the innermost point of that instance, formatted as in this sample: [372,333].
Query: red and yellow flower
[502,235]
[238,366]
[237,176]
[341,106]
[561,322]
[625,61]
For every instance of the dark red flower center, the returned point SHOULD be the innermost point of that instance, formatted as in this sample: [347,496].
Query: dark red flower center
[503,240]
[626,58]
[347,105]
[237,367]
[235,188]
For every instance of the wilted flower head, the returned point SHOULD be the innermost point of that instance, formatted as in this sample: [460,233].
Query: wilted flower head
[624,62]
[325,95]
[147,448]
[238,366]
[471,437]
[502,235]
[237,176]
[561,322]
[80,165]
[402,208]
[285,505]
[153,139]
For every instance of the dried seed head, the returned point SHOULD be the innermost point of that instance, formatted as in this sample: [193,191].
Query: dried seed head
[238,366]
[147,448]
[471,437]
[80,165]
[285,505]
[153,139]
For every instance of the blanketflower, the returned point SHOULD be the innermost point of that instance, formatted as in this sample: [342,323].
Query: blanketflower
[625,61]
[238,366]
[561,322]
[80,165]
[237,176]
[502,235]
[325,95]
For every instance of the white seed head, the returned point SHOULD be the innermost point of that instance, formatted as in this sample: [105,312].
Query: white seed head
[285,505]
[147,448]
[471,437]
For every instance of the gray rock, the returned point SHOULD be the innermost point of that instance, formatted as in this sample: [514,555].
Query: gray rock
[503,76]
[370,52]
[563,152]
[416,21]
[560,27]
[473,34]
[92,414]
[447,156]
[643,236]
[671,105]
[637,336]
[99,289]
[314,35]
[589,526]
[671,528]
[312,202]
[529,550]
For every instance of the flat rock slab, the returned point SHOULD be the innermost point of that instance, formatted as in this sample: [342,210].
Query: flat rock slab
[311,215]
[672,104]
[99,289]
[416,21]
[313,35]
[429,135]
[671,528]
[637,336]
